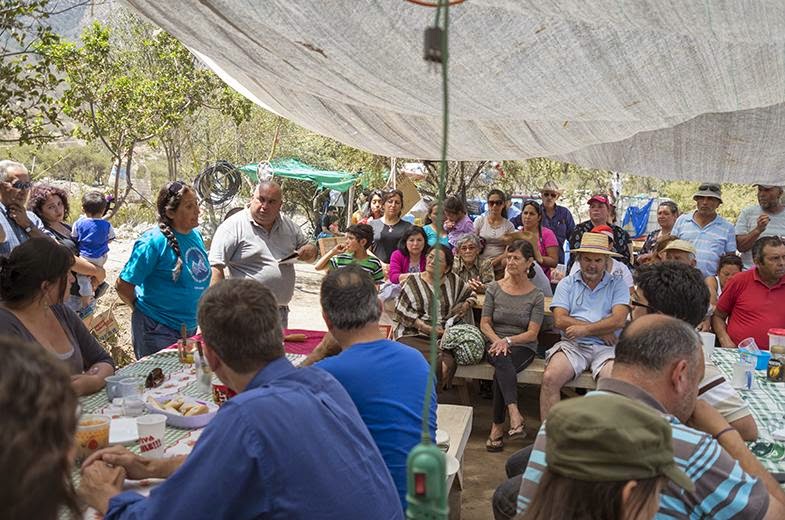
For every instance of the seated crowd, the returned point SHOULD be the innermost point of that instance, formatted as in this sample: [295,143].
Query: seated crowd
[684,455]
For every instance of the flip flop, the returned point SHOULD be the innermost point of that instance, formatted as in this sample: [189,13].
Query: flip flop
[519,431]
[494,445]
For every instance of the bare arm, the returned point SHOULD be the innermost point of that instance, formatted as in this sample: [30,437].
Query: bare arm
[93,380]
[218,275]
[552,257]
[126,292]
[747,428]
[721,329]
[307,253]
[325,260]
[577,329]
[711,283]
[82,266]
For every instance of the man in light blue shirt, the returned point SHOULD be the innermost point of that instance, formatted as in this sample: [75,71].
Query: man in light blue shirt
[712,235]
[590,308]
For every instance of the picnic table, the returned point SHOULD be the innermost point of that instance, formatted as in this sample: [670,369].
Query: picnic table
[767,404]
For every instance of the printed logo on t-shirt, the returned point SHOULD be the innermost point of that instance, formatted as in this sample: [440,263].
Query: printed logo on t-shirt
[197,264]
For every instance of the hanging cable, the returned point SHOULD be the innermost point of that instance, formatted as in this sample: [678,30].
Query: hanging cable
[218,183]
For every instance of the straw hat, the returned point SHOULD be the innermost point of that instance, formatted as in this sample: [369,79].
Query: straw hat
[680,245]
[595,243]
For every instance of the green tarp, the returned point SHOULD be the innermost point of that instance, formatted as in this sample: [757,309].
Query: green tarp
[294,169]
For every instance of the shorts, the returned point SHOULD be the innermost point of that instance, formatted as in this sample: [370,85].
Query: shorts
[582,357]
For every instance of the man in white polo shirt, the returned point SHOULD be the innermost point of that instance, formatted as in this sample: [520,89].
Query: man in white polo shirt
[251,243]
[764,219]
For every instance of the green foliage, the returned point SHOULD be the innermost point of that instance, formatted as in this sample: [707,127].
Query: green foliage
[28,105]
[87,164]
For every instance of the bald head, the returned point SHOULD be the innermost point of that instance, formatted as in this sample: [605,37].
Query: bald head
[266,203]
[655,341]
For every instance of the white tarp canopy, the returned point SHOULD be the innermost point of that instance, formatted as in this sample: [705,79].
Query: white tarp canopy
[680,89]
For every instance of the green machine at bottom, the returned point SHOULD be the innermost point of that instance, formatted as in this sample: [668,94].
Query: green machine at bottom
[426,489]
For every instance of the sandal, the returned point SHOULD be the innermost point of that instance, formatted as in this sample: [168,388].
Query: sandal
[494,445]
[518,431]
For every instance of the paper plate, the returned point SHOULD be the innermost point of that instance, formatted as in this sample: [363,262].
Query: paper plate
[122,431]
[181,421]
[452,464]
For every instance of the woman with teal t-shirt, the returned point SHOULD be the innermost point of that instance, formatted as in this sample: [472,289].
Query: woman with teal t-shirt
[167,273]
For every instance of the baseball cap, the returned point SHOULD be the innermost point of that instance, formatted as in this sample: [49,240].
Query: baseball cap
[599,198]
[708,189]
[604,229]
[680,245]
[610,438]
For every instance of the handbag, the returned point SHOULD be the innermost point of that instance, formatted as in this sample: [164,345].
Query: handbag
[465,342]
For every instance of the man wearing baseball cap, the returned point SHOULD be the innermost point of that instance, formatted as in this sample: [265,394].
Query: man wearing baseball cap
[711,234]
[599,215]
[766,218]
[554,217]
[659,362]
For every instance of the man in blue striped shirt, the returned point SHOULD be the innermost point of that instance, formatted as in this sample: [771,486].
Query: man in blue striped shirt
[659,362]
[712,235]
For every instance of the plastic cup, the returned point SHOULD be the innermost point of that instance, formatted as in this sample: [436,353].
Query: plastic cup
[113,386]
[708,345]
[92,434]
[749,344]
[186,349]
[151,430]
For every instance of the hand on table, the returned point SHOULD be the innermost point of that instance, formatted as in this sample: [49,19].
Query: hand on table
[499,348]
[135,466]
[100,482]
[85,384]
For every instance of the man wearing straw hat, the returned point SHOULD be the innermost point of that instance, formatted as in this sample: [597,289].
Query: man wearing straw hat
[556,218]
[590,308]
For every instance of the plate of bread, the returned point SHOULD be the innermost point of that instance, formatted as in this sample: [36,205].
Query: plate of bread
[182,411]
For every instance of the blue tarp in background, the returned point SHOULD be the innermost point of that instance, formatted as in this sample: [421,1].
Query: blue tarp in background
[636,219]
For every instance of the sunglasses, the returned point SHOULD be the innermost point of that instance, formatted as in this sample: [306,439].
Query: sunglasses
[154,378]
[647,307]
[176,187]
[549,195]
[22,185]
[709,187]
[495,202]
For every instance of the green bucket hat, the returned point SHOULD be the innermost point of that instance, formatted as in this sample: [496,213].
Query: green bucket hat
[610,438]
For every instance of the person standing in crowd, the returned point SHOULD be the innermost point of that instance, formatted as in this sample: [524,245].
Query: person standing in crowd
[729,266]
[290,444]
[92,234]
[513,208]
[511,319]
[39,411]
[468,265]
[328,223]
[250,244]
[753,301]
[166,273]
[431,228]
[598,468]
[388,230]
[767,218]
[372,211]
[456,222]
[667,213]
[659,362]
[530,220]
[17,222]
[34,279]
[711,234]
[410,256]
[590,308]
[491,228]
[391,406]
[599,213]
[554,217]
[50,204]
[354,250]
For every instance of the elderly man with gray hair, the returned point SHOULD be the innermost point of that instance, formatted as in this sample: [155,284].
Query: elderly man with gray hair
[16,223]
[766,218]
[256,243]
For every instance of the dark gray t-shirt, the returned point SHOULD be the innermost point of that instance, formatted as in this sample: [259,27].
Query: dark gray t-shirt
[511,314]
[86,349]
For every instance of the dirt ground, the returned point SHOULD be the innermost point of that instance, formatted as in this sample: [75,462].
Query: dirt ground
[483,471]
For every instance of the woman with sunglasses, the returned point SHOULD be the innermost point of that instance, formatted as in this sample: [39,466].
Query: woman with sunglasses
[388,230]
[34,279]
[167,273]
[491,228]
[530,220]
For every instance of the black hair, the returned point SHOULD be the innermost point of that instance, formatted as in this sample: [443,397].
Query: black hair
[448,256]
[538,209]
[525,248]
[761,243]
[30,264]
[504,200]
[675,289]
[349,298]
[454,205]
[730,259]
[94,203]
[413,230]
[362,232]
[169,198]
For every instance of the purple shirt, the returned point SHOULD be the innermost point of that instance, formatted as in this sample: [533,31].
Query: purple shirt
[462,227]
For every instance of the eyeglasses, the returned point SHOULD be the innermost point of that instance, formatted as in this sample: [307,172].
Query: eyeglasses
[709,187]
[468,248]
[635,303]
[175,187]
[549,195]
[495,202]
[22,185]
[154,378]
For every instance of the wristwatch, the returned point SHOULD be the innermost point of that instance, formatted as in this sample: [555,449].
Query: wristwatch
[507,339]
[28,229]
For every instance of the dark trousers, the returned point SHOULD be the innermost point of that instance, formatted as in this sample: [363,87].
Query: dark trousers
[505,382]
[505,498]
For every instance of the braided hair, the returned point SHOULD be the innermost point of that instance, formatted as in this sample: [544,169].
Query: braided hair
[169,198]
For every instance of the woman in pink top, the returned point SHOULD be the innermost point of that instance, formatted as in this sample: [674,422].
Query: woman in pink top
[410,256]
[531,218]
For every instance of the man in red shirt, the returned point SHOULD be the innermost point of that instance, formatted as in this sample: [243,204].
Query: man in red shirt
[754,301]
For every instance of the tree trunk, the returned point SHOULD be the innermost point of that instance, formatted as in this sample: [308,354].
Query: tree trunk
[120,199]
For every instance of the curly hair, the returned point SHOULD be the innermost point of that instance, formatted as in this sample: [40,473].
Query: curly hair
[38,197]
[169,198]
[38,407]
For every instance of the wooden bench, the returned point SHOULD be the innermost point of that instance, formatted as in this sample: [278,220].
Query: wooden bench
[531,375]
[457,422]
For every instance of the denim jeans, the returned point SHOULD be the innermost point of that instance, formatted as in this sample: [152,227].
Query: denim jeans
[149,336]
[505,498]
